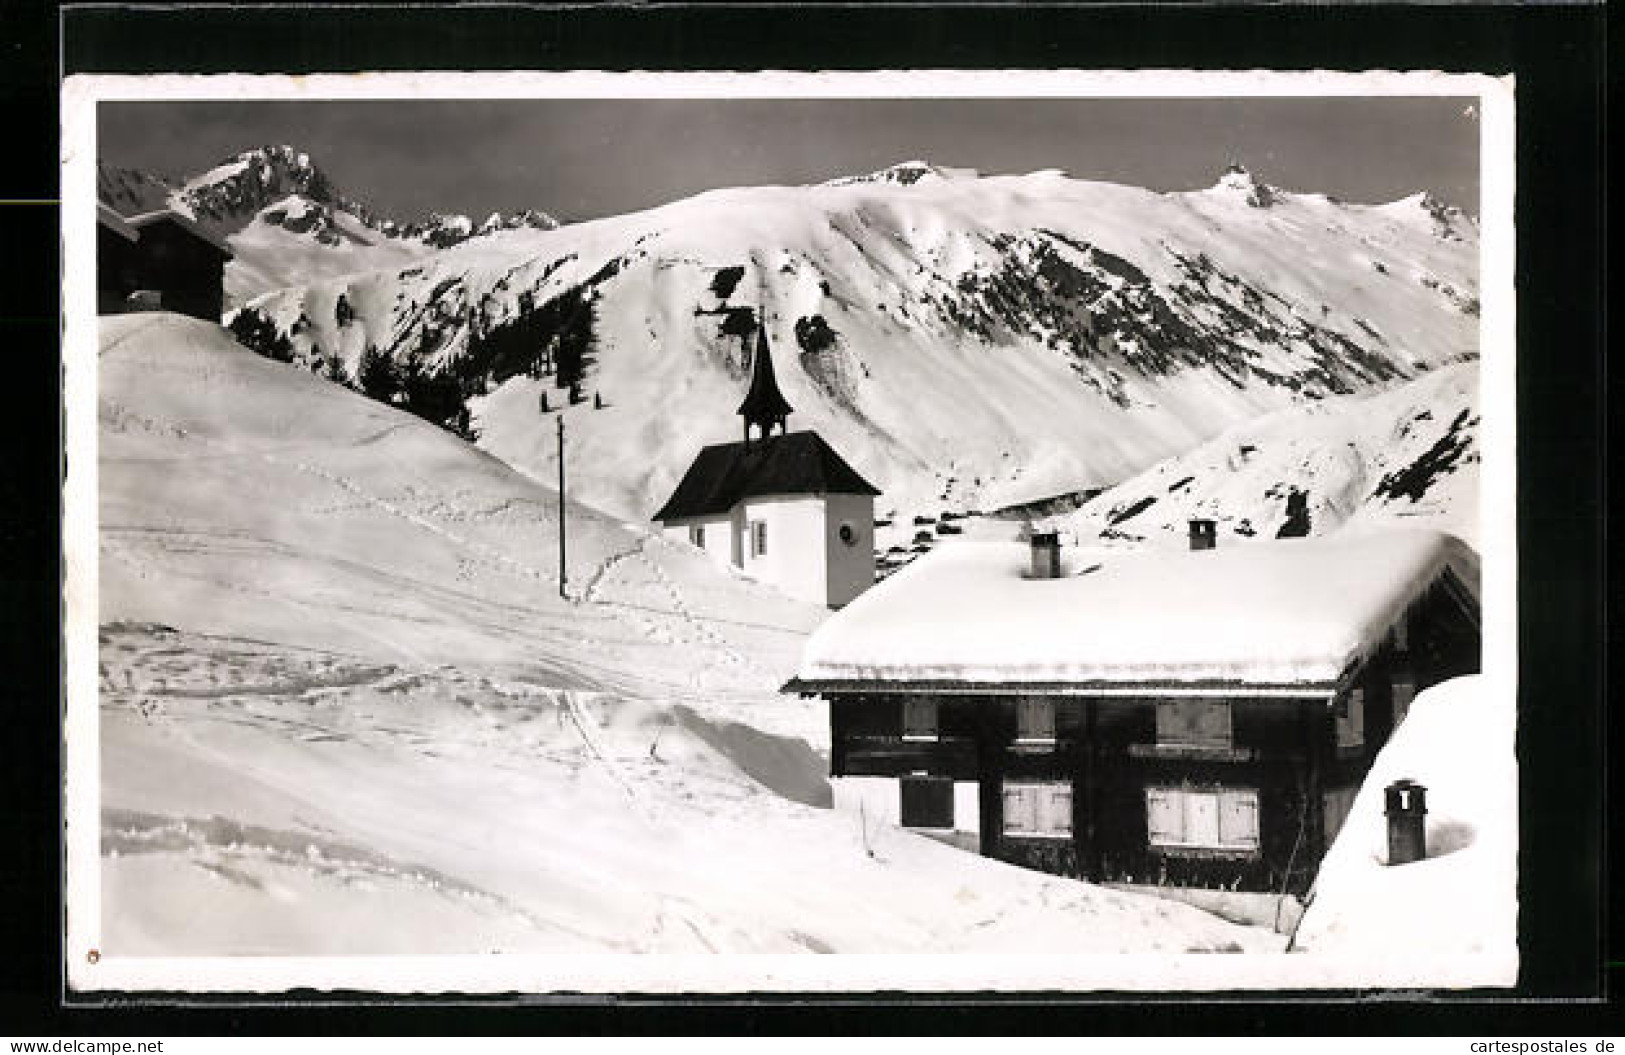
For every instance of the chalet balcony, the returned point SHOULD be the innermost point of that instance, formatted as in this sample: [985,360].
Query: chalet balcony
[882,755]
[1194,752]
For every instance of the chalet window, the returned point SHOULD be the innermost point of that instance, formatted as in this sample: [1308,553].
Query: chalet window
[927,802]
[919,718]
[1351,718]
[1035,720]
[1202,819]
[1038,808]
[696,535]
[758,538]
[1193,723]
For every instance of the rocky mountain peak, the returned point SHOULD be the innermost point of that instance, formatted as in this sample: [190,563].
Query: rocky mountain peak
[906,174]
[1236,178]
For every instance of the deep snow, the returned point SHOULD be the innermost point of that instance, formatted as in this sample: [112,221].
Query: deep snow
[343,709]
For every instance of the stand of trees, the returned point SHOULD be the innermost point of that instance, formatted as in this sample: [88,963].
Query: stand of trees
[554,338]
[255,331]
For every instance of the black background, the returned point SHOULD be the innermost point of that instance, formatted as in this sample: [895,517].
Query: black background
[1558,57]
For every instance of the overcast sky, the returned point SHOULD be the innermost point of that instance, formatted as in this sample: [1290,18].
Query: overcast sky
[582,159]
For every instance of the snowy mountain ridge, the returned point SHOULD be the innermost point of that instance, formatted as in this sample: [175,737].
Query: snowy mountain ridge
[965,341]
[1399,457]
[286,222]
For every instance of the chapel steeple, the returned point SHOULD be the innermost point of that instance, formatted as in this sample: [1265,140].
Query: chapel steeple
[764,405]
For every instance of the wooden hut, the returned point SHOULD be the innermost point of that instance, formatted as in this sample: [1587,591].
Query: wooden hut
[1194,718]
[181,263]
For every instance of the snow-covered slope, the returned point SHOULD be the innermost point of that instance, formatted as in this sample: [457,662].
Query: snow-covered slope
[964,341]
[1406,456]
[343,709]
[1462,898]
[286,223]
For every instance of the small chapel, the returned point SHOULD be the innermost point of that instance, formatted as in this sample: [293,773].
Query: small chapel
[782,508]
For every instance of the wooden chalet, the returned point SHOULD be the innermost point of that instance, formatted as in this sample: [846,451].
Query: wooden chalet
[1193,718]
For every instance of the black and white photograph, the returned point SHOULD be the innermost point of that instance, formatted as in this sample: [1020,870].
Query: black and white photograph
[595,532]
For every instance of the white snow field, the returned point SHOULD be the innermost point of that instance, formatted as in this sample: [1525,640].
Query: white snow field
[1457,741]
[343,710]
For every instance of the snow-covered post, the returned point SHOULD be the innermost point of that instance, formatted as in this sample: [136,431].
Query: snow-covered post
[562,575]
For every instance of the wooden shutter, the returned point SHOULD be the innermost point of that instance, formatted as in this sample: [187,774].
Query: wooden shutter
[1035,719]
[1020,808]
[1238,819]
[1197,723]
[1058,811]
[1351,718]
[1212,722]
[919,718]
[1201,818]
[1163,821]
[1404,692]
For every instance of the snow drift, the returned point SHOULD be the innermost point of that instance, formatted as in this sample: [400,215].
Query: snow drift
[1462,899]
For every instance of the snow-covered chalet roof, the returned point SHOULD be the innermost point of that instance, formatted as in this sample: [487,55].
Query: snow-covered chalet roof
[1288,614]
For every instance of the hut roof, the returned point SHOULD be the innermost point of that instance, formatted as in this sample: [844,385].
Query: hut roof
[109,217]
[1270,616]
[790,464]
[185,223]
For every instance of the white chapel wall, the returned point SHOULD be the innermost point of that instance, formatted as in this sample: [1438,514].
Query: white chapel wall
[718,543]
[795,556]
[850,567]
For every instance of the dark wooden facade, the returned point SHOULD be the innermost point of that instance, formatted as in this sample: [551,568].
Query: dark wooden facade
[185,269]
[118,262]
[1293,757]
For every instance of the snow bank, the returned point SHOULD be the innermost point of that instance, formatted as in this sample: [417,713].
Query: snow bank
[1462,898]
[1279,612]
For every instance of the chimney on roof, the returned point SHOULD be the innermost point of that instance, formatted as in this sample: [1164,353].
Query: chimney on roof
[1046,546]
[1204,534]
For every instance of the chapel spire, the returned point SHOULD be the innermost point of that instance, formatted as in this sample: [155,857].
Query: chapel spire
[764,405]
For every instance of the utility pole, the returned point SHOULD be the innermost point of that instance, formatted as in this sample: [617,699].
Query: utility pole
[562,591]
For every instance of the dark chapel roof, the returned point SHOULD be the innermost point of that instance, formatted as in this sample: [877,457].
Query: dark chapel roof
[789,464]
